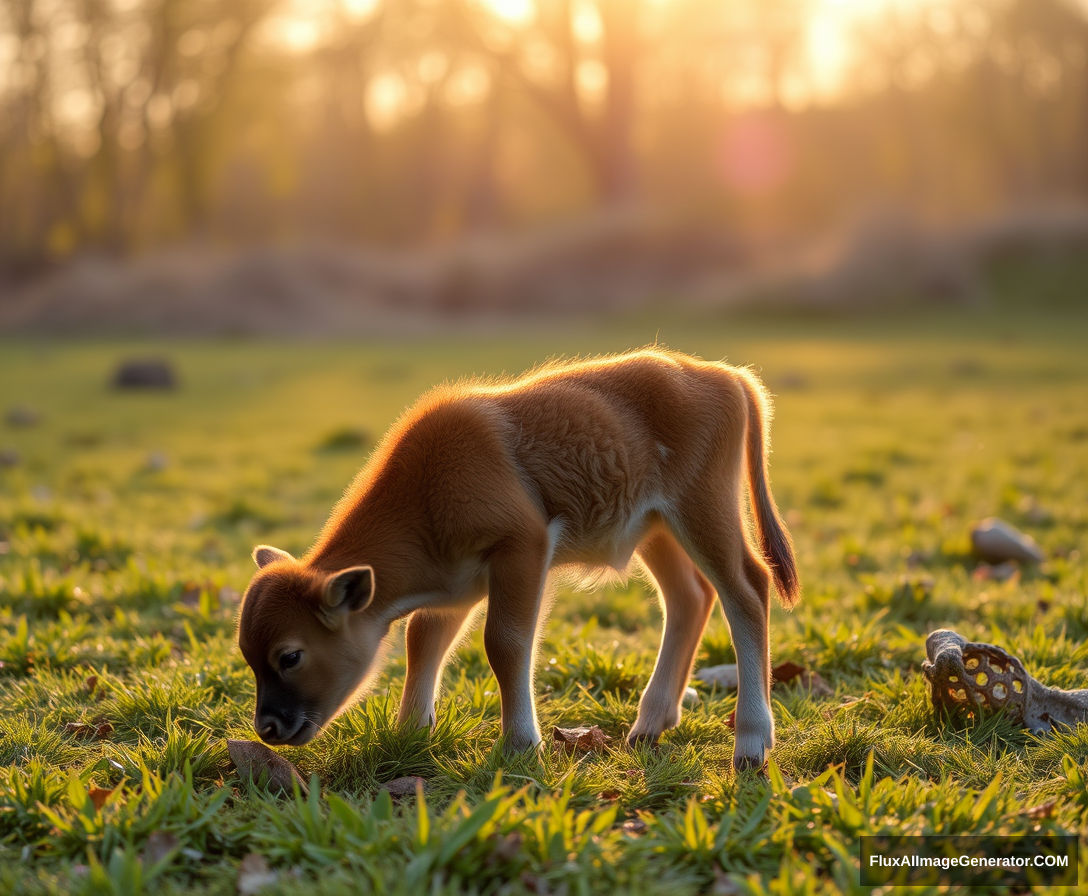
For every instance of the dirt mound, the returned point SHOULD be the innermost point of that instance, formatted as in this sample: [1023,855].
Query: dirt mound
[606,262]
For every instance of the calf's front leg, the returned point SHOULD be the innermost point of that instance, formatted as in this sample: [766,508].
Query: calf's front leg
[429,638]
[517,577]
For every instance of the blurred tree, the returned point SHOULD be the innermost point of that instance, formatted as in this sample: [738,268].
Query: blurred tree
[116,105]
[1041,49]
[128,125]
[560,66]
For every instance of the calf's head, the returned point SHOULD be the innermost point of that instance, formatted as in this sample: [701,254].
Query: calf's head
[310,641]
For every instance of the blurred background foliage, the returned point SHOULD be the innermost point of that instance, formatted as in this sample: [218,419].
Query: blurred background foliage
[129,125]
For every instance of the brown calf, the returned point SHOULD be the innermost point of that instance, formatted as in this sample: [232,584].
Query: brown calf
[481,489]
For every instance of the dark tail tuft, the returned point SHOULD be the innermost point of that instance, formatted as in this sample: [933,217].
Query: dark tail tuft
[774,540]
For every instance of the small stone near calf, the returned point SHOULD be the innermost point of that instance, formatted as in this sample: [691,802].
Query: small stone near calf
[691,697]
[581,740]
[996,541]
[346,438]
[723,676]
[24,416]
[401,787]
[254,875]
[256,762]
[792,379]
[160,846]
[1033,511]
[145,373]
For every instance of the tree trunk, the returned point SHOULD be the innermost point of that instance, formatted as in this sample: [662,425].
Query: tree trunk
[482,203]
[617,174]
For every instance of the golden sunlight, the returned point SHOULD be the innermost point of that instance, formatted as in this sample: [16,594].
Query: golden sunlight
[829,42]
[516,11]
[299,35]
[359,9]
[828,48]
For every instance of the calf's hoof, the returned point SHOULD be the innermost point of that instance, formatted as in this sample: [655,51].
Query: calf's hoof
[748,763]
[750,751]
[514,743]
[636,738]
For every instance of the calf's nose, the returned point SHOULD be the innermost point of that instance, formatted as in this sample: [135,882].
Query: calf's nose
[269,728]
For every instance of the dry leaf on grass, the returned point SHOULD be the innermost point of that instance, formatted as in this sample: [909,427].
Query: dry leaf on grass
[99,796]
[787,672]
[258,763]
[254,874]
[1046,810]
[581,740]
[401,787]
[97,728]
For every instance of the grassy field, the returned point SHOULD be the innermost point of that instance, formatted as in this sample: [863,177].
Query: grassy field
[125,534]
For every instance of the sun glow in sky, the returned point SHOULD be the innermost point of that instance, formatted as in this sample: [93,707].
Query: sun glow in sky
[303,24]
[821,75]
[512,10]
[827,38]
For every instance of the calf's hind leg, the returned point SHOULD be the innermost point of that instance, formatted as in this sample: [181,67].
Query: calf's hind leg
[743,582]
[687,600]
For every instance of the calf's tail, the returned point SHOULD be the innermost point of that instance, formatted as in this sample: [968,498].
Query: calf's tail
[774,540]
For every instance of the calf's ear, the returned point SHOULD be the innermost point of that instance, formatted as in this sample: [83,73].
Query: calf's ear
[347,591]
[263,554]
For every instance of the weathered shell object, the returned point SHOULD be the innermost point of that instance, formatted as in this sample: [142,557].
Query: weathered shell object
[969,676]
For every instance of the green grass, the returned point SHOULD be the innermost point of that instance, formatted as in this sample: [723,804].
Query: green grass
[126,531]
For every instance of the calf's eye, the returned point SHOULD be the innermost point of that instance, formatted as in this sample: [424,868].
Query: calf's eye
[290,660]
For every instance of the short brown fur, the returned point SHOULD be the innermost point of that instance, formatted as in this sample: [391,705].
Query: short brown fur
[481,489]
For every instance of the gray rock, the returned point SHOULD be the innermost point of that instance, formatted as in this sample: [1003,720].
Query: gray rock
[258,763]
[724,676]
[21,415]
[996,541]
[146,373]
